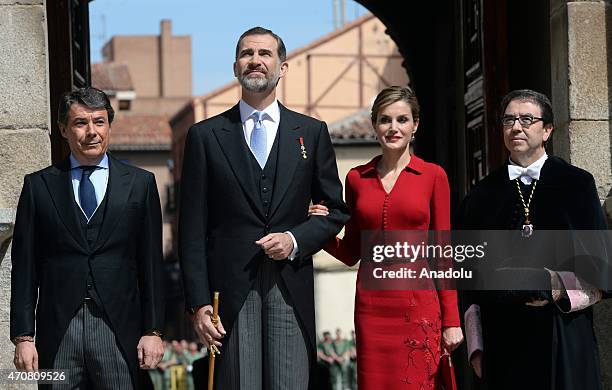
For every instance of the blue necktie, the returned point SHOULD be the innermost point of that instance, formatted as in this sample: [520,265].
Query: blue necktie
[87,192]
[258,139]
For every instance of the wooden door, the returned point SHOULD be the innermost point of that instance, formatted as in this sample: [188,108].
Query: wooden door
[69,64]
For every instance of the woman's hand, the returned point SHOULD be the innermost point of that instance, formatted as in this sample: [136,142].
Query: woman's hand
[451,338]
[318,209]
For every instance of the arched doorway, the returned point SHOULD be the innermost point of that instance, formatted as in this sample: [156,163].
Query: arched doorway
[462,57]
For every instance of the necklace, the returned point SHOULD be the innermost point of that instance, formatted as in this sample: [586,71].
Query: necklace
[527,229]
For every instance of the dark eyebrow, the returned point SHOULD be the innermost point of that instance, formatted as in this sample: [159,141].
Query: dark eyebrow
[245,51]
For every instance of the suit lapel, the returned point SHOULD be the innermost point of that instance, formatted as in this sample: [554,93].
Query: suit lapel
[231,140]
[288,155]
[117,194]
[59,184]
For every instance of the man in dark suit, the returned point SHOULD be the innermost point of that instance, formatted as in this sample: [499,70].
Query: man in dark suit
[87,259]
[539,337]
[249,175]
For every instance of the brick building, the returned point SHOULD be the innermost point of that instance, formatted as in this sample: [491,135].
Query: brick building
[148,78]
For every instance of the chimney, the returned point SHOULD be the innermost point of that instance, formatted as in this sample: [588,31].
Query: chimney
[164,54]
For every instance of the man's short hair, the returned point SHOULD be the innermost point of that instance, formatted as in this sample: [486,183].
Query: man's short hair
[534,97]
[88,96]
[282,51]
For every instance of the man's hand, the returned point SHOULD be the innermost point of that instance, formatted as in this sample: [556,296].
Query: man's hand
[537,302]
[557,288]
[150,352]
[476,363]
[451,338]
[326,358]
[318,209]
[206,331]
[277,246]
[26,356]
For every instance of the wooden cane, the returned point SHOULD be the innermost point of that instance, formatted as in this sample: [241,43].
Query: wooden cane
[212,348]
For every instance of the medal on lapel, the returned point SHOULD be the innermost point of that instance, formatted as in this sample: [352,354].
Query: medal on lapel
[527,229]
[303,148]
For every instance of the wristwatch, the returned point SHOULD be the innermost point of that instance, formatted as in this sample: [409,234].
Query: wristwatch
[20,339]
[154,332]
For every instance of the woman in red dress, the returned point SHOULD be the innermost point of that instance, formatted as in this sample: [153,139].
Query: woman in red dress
[400,333]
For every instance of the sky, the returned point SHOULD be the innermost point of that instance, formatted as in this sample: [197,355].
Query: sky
[214,26]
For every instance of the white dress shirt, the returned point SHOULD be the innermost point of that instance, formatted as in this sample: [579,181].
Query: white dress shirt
[270,120]
[99,179]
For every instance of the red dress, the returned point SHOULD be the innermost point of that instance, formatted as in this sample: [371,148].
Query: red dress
[398,332]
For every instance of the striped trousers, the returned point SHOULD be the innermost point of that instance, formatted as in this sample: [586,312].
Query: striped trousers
[90,355]
[266,348]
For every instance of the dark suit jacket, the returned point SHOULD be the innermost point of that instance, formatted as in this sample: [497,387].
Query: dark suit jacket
[51,259]
[222,216]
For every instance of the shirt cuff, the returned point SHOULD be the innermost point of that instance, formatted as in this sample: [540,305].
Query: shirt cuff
[579,293]
[473,330]
[294,252]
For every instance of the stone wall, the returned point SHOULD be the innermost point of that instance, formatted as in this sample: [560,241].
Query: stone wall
[581,39]
[24,126]
[581,57]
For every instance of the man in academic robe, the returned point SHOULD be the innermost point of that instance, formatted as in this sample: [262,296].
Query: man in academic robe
[87,259]
[249,175]
[542,338]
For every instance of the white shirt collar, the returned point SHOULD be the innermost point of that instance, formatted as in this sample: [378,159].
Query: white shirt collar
[527,174]
[272,111]
[74,163]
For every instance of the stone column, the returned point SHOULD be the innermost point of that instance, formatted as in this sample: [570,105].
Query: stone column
[581,87]
[24,127]
[581,57]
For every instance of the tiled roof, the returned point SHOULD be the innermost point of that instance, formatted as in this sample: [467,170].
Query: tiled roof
[353,129]
[140,132]
[111,77]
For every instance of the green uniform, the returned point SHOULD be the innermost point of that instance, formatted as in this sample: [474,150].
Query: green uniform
[342,348]
[188,359]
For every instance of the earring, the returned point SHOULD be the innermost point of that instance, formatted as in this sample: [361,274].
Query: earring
[412,139]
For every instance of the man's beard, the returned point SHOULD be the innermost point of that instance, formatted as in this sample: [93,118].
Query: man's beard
[258,84]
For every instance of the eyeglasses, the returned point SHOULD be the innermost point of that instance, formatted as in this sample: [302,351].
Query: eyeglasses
[525,120]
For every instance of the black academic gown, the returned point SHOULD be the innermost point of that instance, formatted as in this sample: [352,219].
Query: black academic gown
[535,347]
